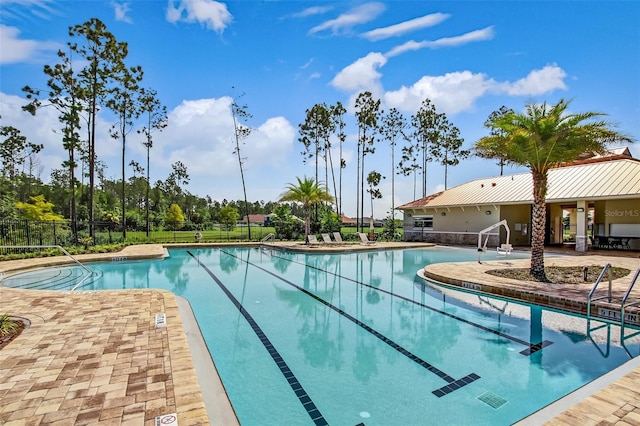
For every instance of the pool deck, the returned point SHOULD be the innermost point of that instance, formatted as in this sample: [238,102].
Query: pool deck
[99,357]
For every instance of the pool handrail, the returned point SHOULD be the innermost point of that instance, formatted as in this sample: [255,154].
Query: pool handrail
[623,304]
[269,237]
[62,249]
[590,298]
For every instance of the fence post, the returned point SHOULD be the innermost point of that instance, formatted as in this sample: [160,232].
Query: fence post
[26,224]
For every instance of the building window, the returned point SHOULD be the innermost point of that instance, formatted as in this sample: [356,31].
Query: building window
[423,221]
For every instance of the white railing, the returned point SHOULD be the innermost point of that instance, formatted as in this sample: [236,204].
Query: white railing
[65,252]
[503,248]
[269,237]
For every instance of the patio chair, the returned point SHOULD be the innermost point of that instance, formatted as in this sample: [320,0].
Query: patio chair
[364,239]
[337,237]
[313,239]
[327,239]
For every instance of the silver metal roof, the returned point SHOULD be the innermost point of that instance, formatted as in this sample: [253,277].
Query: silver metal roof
[608,179]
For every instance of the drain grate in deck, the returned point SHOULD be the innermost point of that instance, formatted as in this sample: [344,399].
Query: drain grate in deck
[492,400]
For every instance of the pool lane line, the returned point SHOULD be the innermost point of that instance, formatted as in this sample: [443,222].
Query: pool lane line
[531,348]
[297,388]
[452,384]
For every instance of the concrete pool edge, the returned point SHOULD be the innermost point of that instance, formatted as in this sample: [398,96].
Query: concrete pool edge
[214,394]
[572,298]
[580,395]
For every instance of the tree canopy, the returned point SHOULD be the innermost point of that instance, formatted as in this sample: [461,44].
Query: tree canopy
[307,192]
[543,137]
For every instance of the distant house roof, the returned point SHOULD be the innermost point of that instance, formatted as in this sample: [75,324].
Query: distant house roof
[346,219]
[254,218]
[611,154]
[590,180]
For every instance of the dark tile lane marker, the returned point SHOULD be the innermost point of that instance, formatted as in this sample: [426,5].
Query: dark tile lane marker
[453,384]
[297,388]
[531,347]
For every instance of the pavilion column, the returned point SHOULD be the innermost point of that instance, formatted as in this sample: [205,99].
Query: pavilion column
[582,242]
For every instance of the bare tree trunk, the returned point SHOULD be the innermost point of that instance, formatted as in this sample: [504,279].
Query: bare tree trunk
[307,223]
[147,197]
[537,225]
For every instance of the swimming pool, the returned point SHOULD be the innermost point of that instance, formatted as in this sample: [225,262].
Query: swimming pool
[356,338]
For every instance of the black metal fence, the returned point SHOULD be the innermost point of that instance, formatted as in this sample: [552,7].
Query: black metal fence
[64,233]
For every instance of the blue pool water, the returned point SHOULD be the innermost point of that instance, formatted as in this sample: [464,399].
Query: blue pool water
[357,338]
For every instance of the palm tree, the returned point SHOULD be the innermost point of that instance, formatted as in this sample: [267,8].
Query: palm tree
[543,138]
[309,193]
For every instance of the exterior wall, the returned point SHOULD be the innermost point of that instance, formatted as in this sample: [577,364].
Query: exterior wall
[618,212]
[460,226]
[456,226]
[519,220]
[555,212]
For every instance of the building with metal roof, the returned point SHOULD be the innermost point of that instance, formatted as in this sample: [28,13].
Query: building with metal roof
[599,197]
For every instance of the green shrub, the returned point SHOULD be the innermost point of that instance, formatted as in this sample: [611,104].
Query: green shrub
[8,326]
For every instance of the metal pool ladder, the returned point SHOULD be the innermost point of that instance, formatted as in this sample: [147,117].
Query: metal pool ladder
[590,297]
[623,303]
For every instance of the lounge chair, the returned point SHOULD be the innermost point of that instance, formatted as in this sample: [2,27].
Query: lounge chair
[364,239]
[313,239]
[337,237]
[327,239]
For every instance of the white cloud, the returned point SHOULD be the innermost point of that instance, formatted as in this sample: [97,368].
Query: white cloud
[457,91]
[364,74]
[541,81]
[358,15]
[361,75]
[405,27]
[307,64]
[470,37]
[121,10]
[451,93]
[212,14]
[16,50]
[26,9]
[312,11]
[44,128]
[200,134]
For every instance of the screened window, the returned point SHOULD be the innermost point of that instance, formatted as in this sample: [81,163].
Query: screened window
[425,221]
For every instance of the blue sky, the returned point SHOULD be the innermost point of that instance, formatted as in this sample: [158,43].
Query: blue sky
[468,57]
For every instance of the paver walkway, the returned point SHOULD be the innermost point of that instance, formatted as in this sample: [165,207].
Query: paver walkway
[97,358]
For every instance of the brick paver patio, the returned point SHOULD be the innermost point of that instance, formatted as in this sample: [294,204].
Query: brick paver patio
[97,358]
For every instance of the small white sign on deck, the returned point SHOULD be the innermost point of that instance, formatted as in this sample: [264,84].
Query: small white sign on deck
[615,315]
[161,320]
[167,420]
